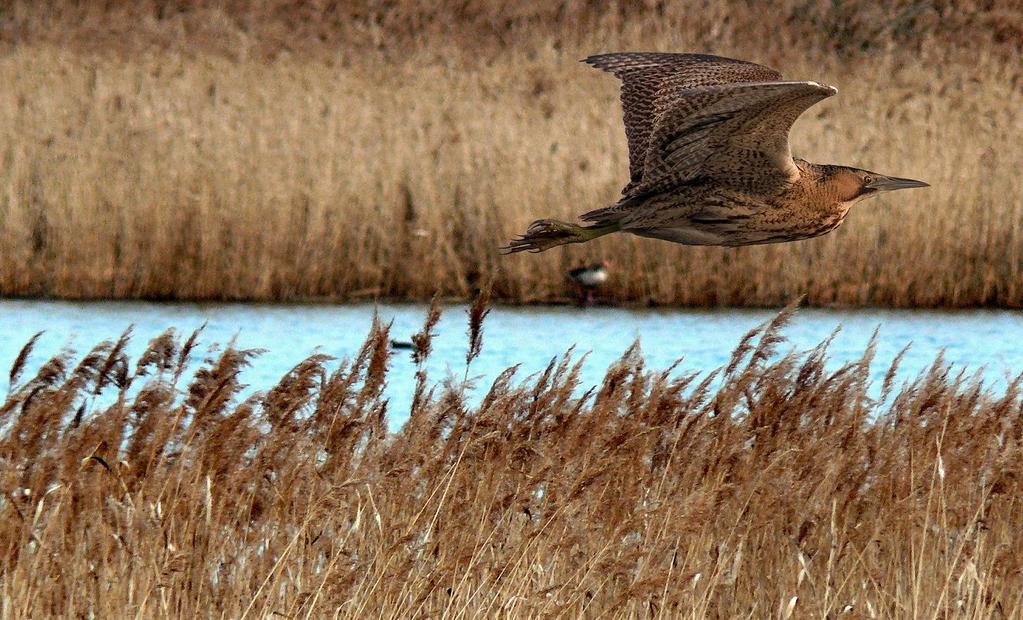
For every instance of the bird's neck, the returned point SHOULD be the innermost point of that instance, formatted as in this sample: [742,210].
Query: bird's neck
[819,192]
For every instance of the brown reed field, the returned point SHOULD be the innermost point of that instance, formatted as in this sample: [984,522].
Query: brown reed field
[296,150]
[776,487]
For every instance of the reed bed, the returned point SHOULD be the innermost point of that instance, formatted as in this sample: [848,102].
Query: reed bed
[221,150]
[787,490]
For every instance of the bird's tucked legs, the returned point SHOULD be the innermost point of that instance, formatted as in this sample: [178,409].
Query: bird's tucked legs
[546,234]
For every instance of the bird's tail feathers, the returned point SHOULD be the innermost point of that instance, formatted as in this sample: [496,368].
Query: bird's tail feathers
[602,217]
[612,215]
[546,234]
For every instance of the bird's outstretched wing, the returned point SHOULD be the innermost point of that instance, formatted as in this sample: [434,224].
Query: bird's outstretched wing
[736,134]
[652,83]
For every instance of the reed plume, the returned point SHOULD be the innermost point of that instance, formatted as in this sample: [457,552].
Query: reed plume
[303,157]
[478,311]
[782,483]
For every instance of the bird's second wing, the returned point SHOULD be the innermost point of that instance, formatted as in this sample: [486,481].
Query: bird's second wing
[651,81]
[736,134]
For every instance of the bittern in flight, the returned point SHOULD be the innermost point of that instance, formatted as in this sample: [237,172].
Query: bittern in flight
[709,159]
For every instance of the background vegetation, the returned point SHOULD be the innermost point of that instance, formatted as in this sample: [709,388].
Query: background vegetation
[790,489]
[292,150]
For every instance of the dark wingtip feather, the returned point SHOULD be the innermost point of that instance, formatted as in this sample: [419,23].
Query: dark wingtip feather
[594,60]
[620,63]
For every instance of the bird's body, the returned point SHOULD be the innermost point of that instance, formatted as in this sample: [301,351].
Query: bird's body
[706,213]
[589,276]
[709,159]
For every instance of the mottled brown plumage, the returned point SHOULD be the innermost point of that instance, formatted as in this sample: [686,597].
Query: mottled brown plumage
[709,159]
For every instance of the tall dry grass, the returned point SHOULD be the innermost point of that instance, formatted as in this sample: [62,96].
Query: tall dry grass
[290,150]
[790,490]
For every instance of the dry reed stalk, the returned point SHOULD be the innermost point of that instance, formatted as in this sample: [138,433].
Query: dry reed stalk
[234,159]
[19,361]
[220,152]
[657,494]
[478,311]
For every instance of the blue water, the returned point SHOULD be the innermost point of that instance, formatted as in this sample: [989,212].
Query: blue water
[531,336]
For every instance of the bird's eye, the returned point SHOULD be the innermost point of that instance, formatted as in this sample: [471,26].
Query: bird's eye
[867,180]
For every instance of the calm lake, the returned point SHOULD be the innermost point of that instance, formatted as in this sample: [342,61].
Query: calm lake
[529,336]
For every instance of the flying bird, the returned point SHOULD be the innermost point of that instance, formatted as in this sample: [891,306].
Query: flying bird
[709,159]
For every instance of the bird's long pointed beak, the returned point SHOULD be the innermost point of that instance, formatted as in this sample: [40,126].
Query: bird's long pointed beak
[883,183]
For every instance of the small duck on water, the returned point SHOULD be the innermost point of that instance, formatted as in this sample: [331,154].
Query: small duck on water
[587,279]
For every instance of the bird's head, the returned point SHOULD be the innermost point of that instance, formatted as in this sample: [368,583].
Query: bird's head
[854,184]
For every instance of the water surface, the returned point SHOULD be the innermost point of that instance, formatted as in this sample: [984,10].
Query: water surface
[529,336]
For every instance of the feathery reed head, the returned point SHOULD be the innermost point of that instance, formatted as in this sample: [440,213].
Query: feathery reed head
[779,484]
[478,311]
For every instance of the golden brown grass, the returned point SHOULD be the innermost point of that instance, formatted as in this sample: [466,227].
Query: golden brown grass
[789,491]
[215,150]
